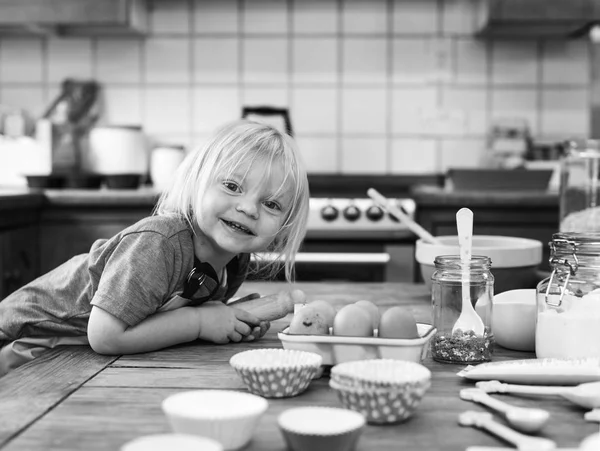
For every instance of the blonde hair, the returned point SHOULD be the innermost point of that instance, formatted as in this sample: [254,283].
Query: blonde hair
[236,143]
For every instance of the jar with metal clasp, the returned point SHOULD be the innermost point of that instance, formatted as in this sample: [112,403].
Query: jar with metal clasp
[452,345]
[568,302]
[579,194]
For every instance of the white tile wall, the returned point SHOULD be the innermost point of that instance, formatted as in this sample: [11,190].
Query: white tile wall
[373,86]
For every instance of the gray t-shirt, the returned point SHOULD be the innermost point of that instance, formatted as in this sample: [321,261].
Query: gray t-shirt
[131,276]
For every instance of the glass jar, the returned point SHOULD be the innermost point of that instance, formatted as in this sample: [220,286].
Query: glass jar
[446,295]
[579,187]
[568,302]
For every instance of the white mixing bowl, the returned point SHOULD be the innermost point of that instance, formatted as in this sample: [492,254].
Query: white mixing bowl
[514,260]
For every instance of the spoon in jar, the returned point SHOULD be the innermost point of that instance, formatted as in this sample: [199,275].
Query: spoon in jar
[468,320]
[484,420]
[521,418]
[585,395]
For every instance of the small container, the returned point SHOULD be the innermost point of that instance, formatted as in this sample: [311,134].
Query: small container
[568,302]
[446,295]
[579,192]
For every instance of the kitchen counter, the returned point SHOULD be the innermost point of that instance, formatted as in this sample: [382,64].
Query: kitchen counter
[73,399]
[439,196]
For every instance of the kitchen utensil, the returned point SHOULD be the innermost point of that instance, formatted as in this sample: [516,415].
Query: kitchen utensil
[468,319]
[406,220]
[484,420]
[585,395]
[521,418]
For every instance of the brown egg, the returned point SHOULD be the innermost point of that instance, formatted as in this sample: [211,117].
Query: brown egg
[373,311]
[352,320]
[398,322]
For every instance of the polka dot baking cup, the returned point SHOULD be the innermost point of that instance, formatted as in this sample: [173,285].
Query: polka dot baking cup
[378,373]
[276,373]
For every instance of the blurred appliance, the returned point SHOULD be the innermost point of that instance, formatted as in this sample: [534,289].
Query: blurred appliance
[164,161]
[70,117]
[278,117]
[353,239]
[509,142]
[117,150]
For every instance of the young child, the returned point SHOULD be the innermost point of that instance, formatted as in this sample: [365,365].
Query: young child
[164,280]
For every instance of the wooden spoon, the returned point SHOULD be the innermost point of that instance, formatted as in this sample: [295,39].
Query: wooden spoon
[468,319]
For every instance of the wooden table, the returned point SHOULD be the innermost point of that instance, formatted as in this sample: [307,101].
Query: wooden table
[74,399]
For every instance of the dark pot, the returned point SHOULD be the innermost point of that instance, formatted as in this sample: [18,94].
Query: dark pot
[123,181]
[45,181]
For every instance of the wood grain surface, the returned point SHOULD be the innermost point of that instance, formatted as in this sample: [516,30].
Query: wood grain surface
[94,403]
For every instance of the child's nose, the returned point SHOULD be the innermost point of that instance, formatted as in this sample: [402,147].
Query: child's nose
[248,207]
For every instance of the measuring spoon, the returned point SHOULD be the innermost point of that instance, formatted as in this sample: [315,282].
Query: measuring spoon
[468,319]
[585,395]
[484,420]
[521,418]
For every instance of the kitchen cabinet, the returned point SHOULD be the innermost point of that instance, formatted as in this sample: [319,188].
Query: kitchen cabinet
[19,217]
[69,227]
[74,17]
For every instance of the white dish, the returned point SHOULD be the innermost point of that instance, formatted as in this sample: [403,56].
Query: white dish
[536,371]
[336,349]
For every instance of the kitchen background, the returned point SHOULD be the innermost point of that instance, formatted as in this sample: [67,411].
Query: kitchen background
[373,86]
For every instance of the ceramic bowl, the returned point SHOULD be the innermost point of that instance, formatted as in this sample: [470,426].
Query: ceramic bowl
[229,417]
[384,391]
[513,319]
[321,428]
[179,442]
[276,373]
[514,260]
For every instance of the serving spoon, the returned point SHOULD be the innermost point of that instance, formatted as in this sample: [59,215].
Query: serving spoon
[585,395]
[485,421]
[468,320]
[522,418]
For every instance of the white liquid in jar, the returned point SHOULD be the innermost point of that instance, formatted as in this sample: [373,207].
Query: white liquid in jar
[573,333]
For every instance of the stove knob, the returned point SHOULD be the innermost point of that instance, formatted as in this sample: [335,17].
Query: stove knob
[374,213]
[329,213]
[351,213]
[394,218]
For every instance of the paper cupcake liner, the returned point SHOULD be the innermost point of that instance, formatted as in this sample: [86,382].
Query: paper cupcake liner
[315,428]
[382,405]
[276,373]
[379,373]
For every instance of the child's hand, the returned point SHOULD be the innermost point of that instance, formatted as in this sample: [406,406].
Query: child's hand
[258,331]
[222,324]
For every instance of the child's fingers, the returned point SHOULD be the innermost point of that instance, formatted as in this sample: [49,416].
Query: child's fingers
[235,336]
[242,328]
[247,317]
[264,327]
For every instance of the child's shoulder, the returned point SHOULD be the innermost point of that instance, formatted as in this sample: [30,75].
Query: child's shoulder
[168,226]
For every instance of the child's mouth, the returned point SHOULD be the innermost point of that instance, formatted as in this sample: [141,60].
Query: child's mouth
[238,227]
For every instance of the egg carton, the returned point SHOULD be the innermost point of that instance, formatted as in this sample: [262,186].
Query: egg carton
[336,349]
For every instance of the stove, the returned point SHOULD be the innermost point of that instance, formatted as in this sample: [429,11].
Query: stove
[356,215]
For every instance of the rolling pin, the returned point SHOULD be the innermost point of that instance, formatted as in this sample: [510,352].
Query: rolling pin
[271,307]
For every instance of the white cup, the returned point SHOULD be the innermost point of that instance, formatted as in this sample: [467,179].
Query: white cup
[164,162]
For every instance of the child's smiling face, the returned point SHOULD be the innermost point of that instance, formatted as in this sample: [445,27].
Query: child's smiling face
[243,212]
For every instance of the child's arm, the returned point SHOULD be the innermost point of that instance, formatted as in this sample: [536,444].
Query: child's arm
[213,321]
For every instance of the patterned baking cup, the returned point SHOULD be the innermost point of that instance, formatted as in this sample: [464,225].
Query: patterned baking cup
[383,405]
[179,442]
[276,373]
[227,416]
[378,373]
[321,428]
